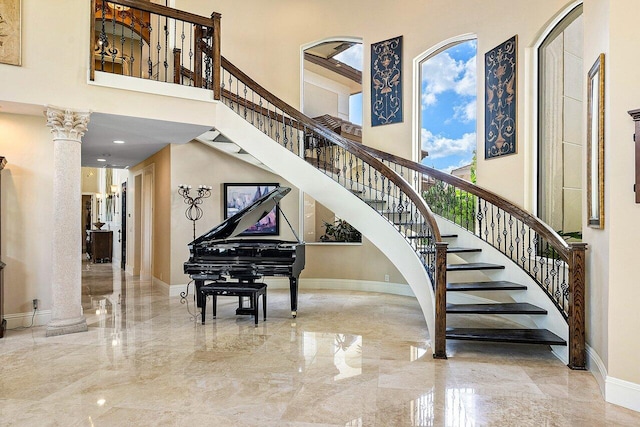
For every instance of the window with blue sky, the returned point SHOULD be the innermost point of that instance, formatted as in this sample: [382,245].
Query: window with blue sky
[448,106]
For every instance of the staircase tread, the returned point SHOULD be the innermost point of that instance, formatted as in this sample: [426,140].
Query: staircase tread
[454,250]
[520,336]
[428,236]
[496,308]
[498,285]
[474,266]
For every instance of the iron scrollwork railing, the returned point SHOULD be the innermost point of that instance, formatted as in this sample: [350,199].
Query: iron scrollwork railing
[344,161]
[150,41]
[557,266]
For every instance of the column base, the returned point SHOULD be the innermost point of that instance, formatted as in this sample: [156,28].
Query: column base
[67,326]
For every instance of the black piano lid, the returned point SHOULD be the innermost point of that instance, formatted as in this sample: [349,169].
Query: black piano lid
[244,219]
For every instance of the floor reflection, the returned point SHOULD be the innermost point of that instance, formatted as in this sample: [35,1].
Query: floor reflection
[349,359]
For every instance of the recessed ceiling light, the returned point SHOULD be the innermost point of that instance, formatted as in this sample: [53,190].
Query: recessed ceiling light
[101,160]
[118,141]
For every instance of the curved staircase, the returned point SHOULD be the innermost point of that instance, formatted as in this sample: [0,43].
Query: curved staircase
[505,261]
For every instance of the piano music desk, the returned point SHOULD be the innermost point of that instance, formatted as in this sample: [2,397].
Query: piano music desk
[237,289]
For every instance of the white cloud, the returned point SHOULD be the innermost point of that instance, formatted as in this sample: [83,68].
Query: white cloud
[428,98]
[441,73]
[467,84]
[465,113]
[439,146]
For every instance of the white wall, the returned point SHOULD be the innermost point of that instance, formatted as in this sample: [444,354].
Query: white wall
[273,57]
[325,96]
[27,207]
[622,214]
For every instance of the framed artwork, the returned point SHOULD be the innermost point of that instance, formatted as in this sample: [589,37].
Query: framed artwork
[386,82]
[10,43]
[238,196]
[500,99]
[595,144]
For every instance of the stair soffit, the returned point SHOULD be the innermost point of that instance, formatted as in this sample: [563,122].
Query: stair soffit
[215,139]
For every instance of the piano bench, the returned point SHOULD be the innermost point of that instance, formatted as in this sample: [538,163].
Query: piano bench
[237,289]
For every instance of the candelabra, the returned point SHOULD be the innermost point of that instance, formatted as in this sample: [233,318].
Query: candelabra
[194,211]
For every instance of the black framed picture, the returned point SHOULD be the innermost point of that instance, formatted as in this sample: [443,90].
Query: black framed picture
[238,196]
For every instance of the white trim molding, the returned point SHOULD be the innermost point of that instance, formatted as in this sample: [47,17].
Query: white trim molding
[335,284]
[616,391]
[23,320]
[596,366]
[622,393]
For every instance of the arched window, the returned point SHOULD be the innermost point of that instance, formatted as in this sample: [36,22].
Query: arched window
[560,98]
[448,107]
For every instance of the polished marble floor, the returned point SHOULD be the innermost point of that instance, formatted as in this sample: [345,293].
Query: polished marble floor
[349,359]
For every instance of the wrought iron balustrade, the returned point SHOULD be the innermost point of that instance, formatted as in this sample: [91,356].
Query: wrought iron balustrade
[556,266]
[344,161]
[150,41]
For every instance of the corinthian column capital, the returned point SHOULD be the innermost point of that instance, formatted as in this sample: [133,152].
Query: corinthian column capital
[66,123]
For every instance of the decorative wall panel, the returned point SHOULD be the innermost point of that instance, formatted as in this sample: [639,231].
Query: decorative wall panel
[386,82]
[10,32]
[500,99]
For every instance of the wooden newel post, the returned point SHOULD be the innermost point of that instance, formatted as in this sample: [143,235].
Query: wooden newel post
[215,55]
[577,344]
[439,340]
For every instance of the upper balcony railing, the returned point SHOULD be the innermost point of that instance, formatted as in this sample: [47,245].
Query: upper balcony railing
[150,41]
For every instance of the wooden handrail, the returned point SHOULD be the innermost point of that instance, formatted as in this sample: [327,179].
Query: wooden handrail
[532,221]
[168,11]
[573,254]
[340,141]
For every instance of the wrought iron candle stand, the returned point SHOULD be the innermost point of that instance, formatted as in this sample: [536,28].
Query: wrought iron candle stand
[194,211]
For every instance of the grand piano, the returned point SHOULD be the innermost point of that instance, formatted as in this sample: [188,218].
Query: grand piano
[217,255]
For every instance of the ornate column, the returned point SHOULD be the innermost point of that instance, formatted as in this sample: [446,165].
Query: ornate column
[67,127]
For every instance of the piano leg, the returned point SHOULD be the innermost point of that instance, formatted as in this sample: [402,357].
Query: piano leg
[293,287]
[198,284]
[204,307]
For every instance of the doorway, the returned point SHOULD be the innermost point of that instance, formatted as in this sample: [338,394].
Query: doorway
[86,221]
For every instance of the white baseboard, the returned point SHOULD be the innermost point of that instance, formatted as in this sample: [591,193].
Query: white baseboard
[349,285]
[340,284]
[616,391]
[20,320]
[176,290]
[165,287]
[595,365]
[623,393]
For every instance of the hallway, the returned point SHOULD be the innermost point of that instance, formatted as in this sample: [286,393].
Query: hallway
[349,359]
